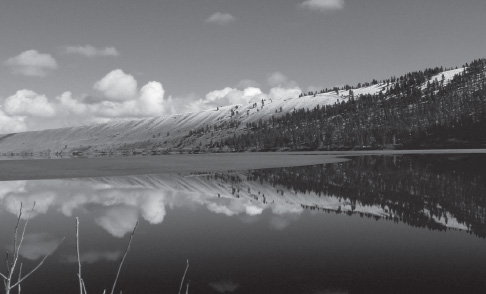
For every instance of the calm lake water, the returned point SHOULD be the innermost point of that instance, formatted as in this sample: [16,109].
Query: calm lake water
[374,224]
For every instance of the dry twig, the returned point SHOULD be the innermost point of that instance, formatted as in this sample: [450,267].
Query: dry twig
[123,258]
[79,260]
[17,244]
[183,277]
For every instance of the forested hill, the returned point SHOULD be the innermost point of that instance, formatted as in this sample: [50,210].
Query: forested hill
[434,108]
[423,109]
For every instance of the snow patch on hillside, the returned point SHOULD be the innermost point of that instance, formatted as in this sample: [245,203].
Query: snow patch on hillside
[173,132]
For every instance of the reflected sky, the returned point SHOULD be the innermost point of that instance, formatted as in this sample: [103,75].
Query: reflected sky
[377,223]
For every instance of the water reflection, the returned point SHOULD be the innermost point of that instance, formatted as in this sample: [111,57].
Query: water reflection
[436,192]
[265,231]
[433,192]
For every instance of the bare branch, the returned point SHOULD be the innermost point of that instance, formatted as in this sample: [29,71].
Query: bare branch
[20,276]
[7,263]
[79,259]
[183,277]
[38,266]
[84,287]
[15,235]
[187,287]
[17,248]
[123,258]
[25,226]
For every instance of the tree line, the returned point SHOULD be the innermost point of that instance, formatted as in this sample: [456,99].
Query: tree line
[412,111]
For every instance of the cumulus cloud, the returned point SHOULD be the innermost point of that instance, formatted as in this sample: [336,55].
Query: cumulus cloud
[27,110]
[32,63]
[151,99]
[278,79]
[221,18]
[153,208]
[323,5]
[283,93]
[94,256]
[42,199]
[234,207]
[26,102]
[91,51]
[118,220]
[231,96]
[253,210]
[11,124]
[226,96]
[117,86]
[38,245]
[221,209]
[119,97]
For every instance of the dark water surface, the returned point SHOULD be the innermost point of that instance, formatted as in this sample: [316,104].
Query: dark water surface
[374,224]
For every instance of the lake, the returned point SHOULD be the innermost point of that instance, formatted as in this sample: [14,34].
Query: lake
[373,224]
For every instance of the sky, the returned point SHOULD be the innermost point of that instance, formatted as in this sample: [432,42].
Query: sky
[71,62]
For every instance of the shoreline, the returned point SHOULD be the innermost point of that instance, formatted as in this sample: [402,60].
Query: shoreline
[40,169]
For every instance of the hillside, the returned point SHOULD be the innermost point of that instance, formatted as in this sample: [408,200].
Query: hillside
[180,132]
[424,109]
[434,108]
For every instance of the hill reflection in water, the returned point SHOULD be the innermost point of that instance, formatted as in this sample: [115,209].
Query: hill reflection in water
[433,191]
[290,223]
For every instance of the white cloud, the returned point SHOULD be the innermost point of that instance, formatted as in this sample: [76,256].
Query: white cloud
[118,220]
[120,98]
[278,79]
[221,18]
[94,256]
[323,5]
[226,96]
[117,85]
[32,63]
[151,97]
[253,210]
[43,200]
[284,93]
[28,103]
[221,209]
[11,124]
[91,51]
[38,245]
[153,207]
[71,106]
[283,88]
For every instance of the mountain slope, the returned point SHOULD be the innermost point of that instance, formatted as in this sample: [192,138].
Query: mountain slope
[175,132]
[425,109]
[331,119]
